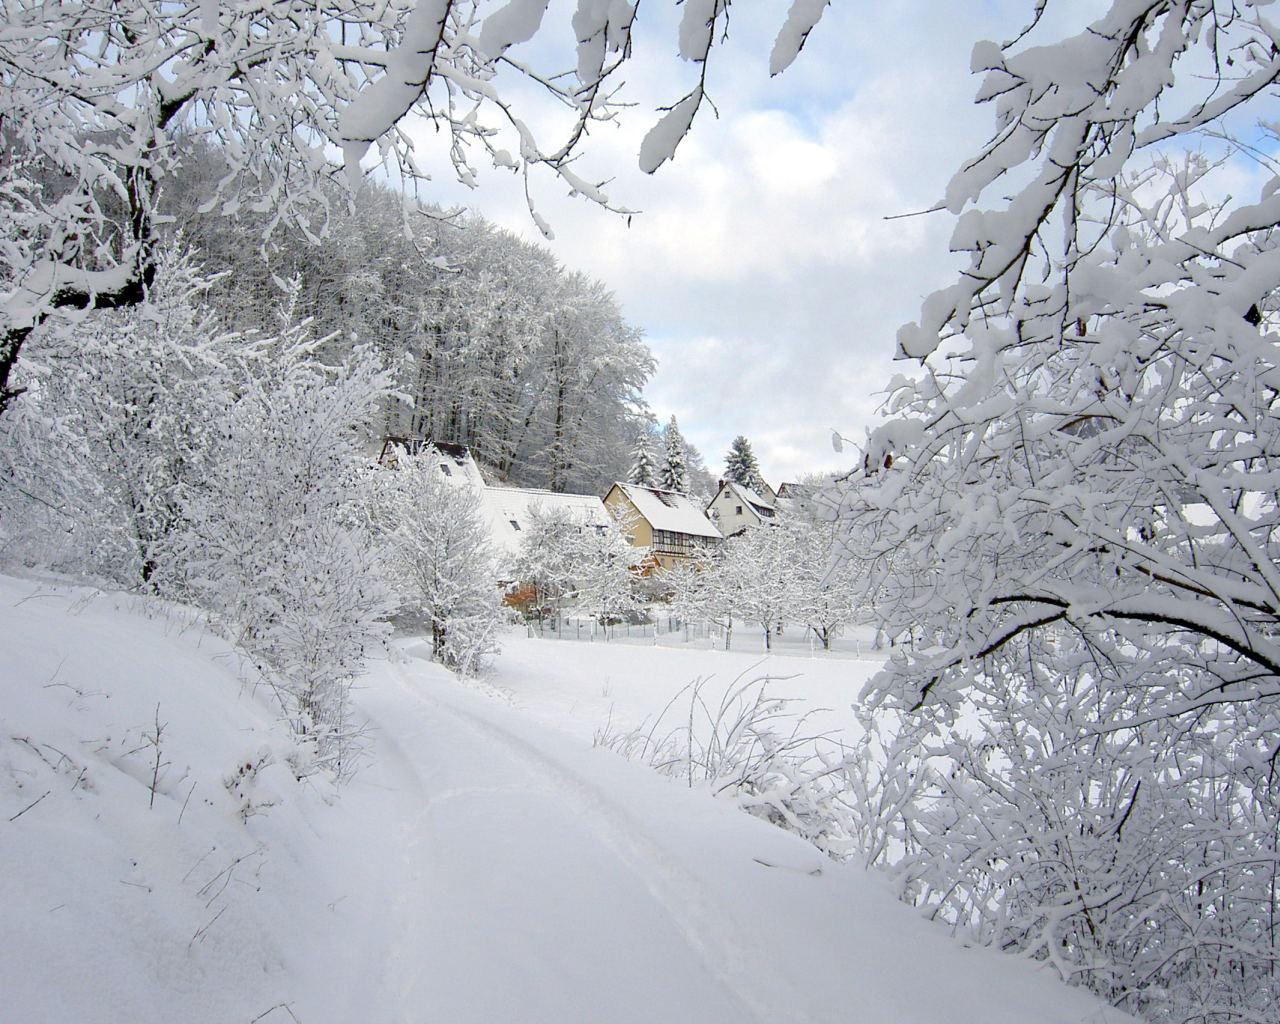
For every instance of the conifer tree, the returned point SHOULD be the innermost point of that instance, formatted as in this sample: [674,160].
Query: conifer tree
[740,464]
[642,469]
[674,475]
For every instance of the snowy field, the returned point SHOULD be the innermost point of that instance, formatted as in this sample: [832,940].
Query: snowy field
[480,868]
[583,687]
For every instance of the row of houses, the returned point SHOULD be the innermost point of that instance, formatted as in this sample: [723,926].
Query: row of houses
[674,527]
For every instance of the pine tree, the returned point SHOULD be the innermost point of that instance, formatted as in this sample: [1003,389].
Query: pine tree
[740,464]
[675,470]
[642,473]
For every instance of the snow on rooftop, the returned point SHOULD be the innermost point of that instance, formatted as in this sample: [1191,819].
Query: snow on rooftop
[748,495]
[507,510]
[670,510]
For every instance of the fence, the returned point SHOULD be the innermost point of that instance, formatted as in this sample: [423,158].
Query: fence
[572,628]
[856,641]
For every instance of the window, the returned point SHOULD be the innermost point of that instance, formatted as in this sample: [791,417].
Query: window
[445,470]
[737,509]
[672,543]
[514,525]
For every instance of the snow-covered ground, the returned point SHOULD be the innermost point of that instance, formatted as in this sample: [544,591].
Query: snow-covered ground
[583,687]
[481,868]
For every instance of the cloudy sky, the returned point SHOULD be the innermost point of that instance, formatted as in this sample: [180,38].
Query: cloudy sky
[762,269]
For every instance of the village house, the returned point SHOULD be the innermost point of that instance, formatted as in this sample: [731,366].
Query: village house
[797,499]
[736,508]
[506,511]
[671,524]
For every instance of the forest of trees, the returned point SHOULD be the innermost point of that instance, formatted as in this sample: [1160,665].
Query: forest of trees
[492,343]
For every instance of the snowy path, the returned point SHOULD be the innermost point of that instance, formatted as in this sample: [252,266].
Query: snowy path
[561,869]
[539,880]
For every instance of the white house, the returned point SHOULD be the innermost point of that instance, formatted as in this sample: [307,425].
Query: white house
[506,510]
[736,508]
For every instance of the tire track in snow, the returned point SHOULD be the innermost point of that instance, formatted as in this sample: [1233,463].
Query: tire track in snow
[405,935]
[724,951]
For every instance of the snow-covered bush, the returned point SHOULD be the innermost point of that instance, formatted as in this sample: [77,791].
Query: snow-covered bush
[216,469]
[118,406]
[1140,862]
[434,550]
[276,545]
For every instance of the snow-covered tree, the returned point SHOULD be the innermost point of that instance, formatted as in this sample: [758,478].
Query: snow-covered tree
[1094,452]
[435,550]
[763,565]
[1075,494]
[642,473]
[673,475]
[571,562]
[275,544]
[713,594]
[826,588]
[548,558]
[94,100]
[608,573]
[740,464]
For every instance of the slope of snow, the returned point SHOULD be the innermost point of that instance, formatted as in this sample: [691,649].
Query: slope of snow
[482,869]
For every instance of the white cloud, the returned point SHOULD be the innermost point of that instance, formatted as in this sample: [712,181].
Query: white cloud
[763,269]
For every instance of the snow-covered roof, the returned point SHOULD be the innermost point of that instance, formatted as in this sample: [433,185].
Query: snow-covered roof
[507,512]
[669,510]
[453,460]
[790,490]
[762,506]
[747,494]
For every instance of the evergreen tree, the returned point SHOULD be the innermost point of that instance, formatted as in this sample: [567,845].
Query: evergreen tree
[740,464]
[675,470]
[642,472]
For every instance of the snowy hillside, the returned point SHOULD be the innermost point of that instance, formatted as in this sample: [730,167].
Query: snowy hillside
[481,868]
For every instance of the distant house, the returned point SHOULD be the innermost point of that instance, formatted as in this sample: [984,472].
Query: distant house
[796,498]
[453,460]
[507,511]
[736,508]
[673,525]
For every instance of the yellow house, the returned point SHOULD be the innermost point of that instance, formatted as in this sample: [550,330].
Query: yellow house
[671,524]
